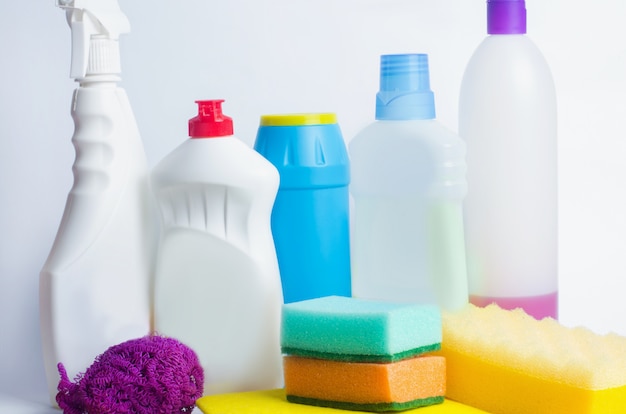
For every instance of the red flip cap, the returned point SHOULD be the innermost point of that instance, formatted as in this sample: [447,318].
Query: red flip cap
[210,122]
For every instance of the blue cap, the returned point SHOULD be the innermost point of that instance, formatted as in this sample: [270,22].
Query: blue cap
[404,91]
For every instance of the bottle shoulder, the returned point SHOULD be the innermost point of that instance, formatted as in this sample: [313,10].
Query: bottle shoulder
[403,135]
[501,57]
[511,43]
[406,157]
[421,129]
[223,161]
[507,76]
[507,88]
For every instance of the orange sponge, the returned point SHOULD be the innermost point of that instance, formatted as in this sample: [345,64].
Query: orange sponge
[506,362]
[395,386]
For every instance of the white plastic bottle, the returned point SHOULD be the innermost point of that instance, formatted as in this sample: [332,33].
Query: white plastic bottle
[94,286]
[508,118]
[408,184]
[217,285]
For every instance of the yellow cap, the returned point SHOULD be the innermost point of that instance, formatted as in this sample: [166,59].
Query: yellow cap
[298,119]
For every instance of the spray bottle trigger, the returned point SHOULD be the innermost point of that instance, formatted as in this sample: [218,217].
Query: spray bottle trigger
[81,35]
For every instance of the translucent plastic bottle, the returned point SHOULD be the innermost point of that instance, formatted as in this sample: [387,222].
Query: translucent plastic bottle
[408,184]
[95,284]
[507,116]
[217,286]
[310,219]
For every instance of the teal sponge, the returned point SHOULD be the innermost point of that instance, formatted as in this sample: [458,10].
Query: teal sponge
[350,329]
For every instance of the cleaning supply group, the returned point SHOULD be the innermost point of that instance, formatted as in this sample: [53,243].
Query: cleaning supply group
[244,231]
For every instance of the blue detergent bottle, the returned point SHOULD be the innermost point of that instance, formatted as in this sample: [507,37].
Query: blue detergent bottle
[310,218]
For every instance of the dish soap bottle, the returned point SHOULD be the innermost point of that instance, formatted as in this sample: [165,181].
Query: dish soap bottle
[94,286]
[311,214]
[508,118]
[217,286]
[408,184]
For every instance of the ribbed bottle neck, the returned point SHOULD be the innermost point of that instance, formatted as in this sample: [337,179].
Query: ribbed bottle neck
[404,91]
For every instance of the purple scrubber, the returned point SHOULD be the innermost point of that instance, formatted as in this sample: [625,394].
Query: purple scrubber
[149,375]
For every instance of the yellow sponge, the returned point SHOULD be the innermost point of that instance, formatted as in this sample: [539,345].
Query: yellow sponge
[395,386]
[274,402]
[506,362]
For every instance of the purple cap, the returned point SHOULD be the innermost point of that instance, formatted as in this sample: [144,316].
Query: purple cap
[506,16]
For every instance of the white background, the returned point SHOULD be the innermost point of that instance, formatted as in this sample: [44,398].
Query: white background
[278,56]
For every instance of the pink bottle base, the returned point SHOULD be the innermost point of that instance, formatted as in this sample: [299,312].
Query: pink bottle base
[538,307]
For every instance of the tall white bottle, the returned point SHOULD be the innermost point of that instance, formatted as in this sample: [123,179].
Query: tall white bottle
[94,286]
[408,184]
[217,285]
[507,116]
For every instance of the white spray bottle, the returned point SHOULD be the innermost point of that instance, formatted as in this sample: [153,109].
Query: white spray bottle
[95,285]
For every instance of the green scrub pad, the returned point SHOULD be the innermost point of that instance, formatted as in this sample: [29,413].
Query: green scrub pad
[358,330]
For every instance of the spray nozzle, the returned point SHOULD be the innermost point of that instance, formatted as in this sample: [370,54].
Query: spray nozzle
[95,24]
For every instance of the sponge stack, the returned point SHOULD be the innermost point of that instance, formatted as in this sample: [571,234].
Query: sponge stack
[506,362]
[362,355]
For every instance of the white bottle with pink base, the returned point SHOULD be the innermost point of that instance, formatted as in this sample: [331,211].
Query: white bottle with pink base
[508,118]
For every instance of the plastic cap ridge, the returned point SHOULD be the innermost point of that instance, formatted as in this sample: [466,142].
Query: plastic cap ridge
[404,91]
[104,57]
[210,121]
